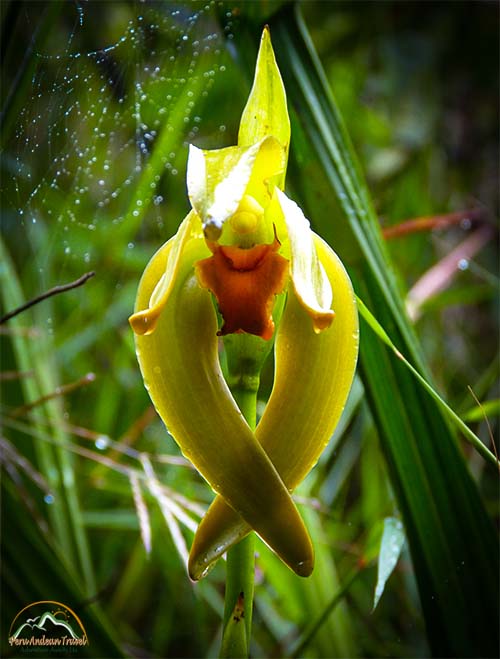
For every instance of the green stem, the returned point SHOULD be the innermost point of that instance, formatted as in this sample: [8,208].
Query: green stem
[246,399]
[240,566]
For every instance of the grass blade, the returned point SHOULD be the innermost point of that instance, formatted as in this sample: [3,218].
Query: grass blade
[451,538]
[392,542]
[54,462]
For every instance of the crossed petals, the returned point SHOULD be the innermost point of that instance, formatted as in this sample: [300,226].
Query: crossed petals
[243,243]
[313,376]
[181,371]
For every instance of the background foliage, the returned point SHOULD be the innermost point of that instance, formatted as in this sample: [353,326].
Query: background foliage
[99,103]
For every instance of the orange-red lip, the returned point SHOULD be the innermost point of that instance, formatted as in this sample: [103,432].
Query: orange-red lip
[245,282]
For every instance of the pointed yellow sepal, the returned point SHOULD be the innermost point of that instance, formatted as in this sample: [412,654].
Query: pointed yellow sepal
[266,111]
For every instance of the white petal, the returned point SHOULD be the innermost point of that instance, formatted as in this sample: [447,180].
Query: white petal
[217,181]
[309,279]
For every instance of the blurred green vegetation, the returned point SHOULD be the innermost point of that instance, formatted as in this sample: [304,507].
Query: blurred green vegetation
[418,89]
[98,504]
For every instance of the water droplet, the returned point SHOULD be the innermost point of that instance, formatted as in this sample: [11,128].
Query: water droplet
[49,498]
[463,264]
[102,442]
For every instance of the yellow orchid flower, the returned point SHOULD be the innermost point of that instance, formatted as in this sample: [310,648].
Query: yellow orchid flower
[247,246]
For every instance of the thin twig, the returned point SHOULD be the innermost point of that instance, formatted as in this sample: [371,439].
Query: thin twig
[5,376]
[433,222]
[142,512]
[197,509]
[440,275]
[10,454]
[132,433]
[58,391]
[53,291]
[24,332]
[490,431]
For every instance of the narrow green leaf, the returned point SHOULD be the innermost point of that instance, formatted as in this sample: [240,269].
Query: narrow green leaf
[315,604]
[471,437]
[452,541]
[393,538]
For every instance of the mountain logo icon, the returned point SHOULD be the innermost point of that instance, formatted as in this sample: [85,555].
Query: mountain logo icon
[47,624]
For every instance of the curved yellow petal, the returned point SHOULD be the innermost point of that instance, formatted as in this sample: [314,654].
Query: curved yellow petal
[309,278]
[313,377]
[181,371]
[144,320]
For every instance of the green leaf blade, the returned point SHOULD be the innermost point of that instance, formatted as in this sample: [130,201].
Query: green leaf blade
[391,544]
[452,542]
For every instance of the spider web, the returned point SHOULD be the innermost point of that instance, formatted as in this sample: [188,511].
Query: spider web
[100,102]
[96,152]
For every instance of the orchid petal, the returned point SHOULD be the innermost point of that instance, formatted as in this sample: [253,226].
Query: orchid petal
[268,171]
[218,179]
[145,320]
[181,371]
[216,182]
[293,443]
[308,275]
[245,283]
